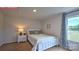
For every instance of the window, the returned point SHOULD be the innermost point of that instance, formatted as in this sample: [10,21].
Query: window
[72,30]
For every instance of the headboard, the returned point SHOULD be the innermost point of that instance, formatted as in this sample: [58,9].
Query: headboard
[34,31]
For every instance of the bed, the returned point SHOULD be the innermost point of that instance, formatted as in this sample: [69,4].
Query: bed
[41,41]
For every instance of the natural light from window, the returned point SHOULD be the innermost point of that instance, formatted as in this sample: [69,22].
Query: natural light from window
[73,29]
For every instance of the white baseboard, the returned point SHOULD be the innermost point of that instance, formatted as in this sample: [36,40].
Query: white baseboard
[8,42]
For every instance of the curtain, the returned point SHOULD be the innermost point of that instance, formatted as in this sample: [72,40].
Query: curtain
[63,41]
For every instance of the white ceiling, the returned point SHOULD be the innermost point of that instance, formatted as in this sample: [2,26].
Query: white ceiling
[42,12]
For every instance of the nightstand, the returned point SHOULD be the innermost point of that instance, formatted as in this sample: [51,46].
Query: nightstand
[21,38]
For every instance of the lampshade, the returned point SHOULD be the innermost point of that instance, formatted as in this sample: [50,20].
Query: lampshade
[20,29]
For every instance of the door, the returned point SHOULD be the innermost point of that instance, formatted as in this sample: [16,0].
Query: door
[72,30]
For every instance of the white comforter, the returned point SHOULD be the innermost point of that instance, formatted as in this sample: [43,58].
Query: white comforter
[41,41]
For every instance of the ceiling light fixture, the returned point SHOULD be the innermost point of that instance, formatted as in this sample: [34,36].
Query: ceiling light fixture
[34,10]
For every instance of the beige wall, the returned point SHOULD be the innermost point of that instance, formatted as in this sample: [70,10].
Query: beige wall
[11,24]
[1,28]
[8,30]
[55,25]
